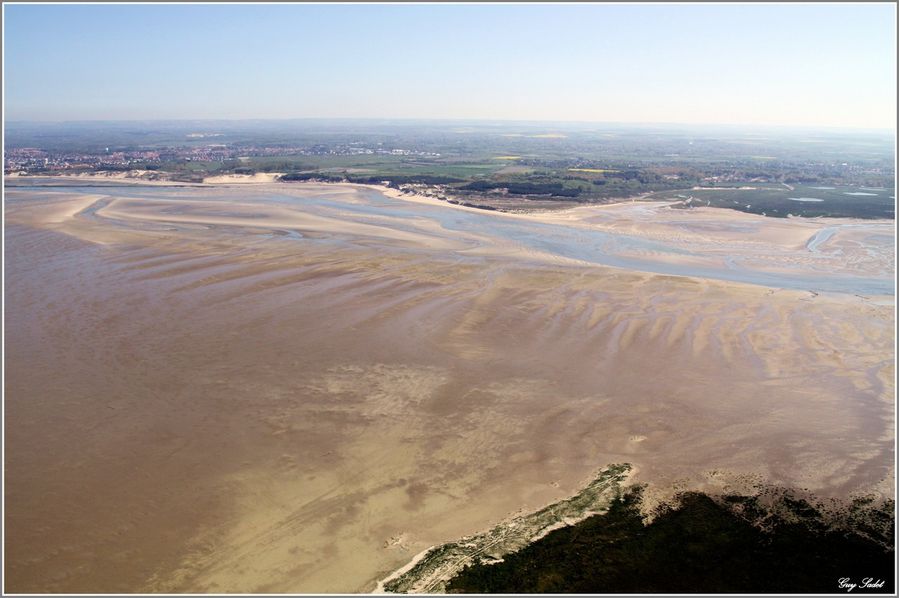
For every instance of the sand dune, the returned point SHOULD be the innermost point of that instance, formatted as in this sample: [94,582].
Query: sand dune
[243,179]
[216,392]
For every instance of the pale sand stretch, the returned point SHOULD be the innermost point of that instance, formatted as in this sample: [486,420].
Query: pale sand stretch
[243,179]
[142,177]
[199,400]
[715,234]
[146,177]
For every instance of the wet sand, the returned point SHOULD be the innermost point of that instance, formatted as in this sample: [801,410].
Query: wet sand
[218,390]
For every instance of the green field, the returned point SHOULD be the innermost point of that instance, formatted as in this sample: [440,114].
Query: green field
[385,165]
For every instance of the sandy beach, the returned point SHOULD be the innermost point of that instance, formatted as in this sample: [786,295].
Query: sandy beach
[297,387]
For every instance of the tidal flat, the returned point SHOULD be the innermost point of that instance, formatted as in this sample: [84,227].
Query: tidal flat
[298,388]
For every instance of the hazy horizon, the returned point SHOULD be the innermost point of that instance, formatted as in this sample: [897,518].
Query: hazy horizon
[572,124]
[818,66]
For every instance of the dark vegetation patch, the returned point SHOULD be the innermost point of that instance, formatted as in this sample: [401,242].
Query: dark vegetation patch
[835,202]
[312,176]
[704,545]
[523,188]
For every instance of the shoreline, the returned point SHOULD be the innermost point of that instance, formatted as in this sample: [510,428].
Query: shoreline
[271,179]
[629,221]
[438,564]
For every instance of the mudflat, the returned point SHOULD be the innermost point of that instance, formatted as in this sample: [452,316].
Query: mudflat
[297,388]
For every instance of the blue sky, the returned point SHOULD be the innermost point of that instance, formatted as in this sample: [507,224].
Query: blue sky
[820,65]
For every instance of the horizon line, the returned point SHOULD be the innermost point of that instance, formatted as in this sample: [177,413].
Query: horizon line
[891,130]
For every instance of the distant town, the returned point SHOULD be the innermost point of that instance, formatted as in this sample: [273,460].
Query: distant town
[30,160]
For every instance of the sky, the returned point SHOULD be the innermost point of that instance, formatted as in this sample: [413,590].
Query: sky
[827,65]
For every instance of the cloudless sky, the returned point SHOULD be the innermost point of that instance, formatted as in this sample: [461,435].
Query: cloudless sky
[802,64]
